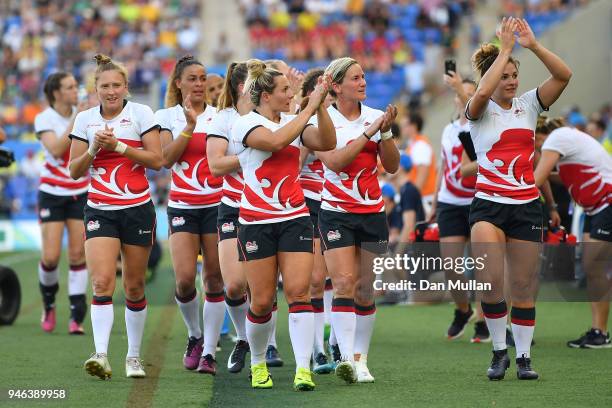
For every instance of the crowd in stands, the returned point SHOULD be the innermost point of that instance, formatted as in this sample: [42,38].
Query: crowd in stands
[41,36]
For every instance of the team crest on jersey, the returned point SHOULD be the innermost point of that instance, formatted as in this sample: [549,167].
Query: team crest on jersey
[228,227]
[333,235]
[251,246]
[125,122]
[93,225]
[45,213]
[178,221]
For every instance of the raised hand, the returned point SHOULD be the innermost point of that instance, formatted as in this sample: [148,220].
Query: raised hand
[453,80]
[388,118]
[505,33]
[295,78]
[526,38]
[190,115]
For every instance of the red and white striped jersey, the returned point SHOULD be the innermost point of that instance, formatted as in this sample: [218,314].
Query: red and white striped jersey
[355,189]
[585,168]
[504,141]
[311,177]
[193,185]
[116,181]
[455,189]
[272,191]
[54,176]
[233,183]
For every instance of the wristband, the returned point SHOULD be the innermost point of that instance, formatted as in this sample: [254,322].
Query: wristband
[386,135]
[185,134]
[366,135]
[121,147]
[92,150]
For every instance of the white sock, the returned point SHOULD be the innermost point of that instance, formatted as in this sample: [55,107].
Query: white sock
[258,332]
[496,316]
[523,325]
[364,328]
[272,339]
[102,316]
[213,316]
[522,339]
[190,310]
[135,318]
[47,277]
[319,326]
[328,296]
[333,341]
[77,280]
[237,310]
[344,323]
[301,331]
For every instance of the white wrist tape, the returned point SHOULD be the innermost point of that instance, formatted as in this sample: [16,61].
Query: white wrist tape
[386,135]
[121,147]
[92,150]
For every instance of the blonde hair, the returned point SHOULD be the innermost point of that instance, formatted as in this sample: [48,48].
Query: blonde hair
[260,79]
[484,57]
[105,63]
[546,125]
[337,70]
[236,74]
[173,93]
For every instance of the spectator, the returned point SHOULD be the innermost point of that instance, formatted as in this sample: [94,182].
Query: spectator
[423,172]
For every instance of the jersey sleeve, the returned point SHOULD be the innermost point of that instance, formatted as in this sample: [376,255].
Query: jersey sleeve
[79,130]
[243,127]
[218,127]
[560,141]
[532,99]
[41,124]
[145,120]
[162,117]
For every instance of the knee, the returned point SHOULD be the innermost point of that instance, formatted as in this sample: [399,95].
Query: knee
[297,295]
[185,287]
[134,290]
[76,255]
[213,283]
[343,286]
[261,307]
[235,290]
[102,285]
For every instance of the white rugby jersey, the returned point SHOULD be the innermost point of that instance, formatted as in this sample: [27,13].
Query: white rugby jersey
[272,191]
[505,144]
[311,177]
[455,189]
[584,167]
[54,176]
[193,185]
[116,181]
[355,189]
[233,183]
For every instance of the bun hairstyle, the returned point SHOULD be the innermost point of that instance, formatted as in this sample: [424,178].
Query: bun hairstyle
[52,84]
[236,74]
[484,57]
[173,93]
[546,125]
[310,81]
[105,63]
[260,79]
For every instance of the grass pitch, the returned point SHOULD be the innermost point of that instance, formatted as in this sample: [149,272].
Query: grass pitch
[414,365]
